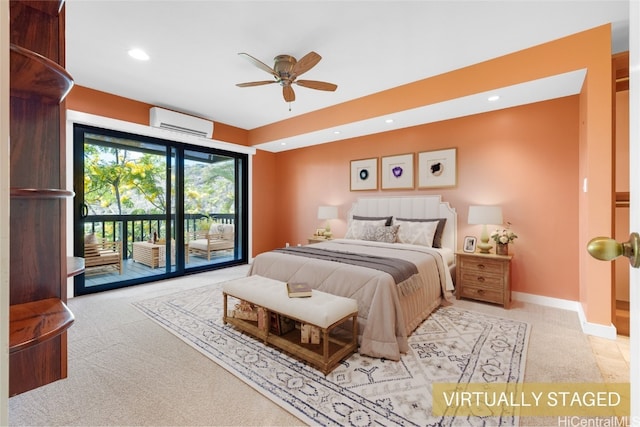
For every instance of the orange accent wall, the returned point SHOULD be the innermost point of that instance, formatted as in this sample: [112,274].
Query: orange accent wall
[116,107]
[524,159]
[266,218]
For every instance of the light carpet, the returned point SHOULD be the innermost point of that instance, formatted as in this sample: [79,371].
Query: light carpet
[451,346]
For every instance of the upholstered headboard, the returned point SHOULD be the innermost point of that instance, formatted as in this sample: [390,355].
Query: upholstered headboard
[424,207]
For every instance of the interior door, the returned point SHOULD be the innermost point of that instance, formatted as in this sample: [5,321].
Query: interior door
[634,212]
[631,249]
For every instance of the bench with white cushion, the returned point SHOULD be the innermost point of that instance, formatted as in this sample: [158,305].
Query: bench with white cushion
[321,310]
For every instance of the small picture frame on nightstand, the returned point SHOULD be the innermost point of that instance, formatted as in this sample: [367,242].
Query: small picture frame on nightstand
[469,244]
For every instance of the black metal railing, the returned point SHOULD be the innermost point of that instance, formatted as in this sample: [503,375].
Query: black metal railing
[141,227]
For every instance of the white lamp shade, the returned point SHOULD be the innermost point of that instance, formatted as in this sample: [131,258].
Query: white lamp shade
[484,215]
[327,212]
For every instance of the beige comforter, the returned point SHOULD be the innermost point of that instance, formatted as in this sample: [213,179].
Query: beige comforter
[382,321]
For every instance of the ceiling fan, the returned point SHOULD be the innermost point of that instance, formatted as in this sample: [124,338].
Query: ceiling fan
[286,70]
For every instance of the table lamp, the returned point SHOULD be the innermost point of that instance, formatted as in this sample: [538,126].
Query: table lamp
[328,213]
[483,215]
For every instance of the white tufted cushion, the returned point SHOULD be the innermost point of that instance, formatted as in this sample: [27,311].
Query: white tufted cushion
[321,309]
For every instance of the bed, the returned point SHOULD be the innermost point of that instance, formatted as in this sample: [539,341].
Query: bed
[397,284]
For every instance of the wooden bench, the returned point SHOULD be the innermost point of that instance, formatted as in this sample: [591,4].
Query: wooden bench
[321,310]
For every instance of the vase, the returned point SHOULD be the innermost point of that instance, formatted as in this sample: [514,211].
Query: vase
[502,249]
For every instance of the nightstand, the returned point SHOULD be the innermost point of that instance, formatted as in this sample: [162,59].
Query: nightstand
[317,239]
[484,277]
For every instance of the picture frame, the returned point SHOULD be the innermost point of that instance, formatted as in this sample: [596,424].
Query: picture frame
[397,172]
[469,244]
[364,174]
[437,168]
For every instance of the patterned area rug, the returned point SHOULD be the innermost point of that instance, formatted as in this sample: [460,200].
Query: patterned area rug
[451,346]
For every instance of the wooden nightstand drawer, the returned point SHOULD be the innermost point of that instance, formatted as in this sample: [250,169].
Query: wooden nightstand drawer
[484,277]
[482,266]
[480,278]
[483,294]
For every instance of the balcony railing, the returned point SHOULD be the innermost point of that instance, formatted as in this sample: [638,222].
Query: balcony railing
[140,227]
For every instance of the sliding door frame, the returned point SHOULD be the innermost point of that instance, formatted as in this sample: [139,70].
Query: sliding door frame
[179,142]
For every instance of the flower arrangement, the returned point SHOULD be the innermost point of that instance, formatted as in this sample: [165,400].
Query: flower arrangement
[504,236]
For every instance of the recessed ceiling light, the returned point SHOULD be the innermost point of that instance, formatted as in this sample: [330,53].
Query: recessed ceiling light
[389,121]
[283,143]
[493,98]
[336,132]
[139,54]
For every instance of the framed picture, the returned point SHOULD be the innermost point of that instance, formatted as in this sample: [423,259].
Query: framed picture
[437,168]
[364,174]
[397,172]
[469,244]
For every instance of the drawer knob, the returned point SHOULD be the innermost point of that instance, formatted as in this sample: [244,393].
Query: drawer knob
[480,279]
[480,291]
[481,266]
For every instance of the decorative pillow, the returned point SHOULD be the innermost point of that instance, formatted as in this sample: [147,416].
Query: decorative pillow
[417,233]
[227,231]
[215,230]
[388,219]
[437,238]
[356,228]
[377,233]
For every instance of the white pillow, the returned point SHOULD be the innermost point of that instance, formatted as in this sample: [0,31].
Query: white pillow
[215,230]
[357,228]
[417,233]
[227,231]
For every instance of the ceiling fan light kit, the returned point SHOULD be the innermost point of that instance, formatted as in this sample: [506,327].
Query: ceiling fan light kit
[286,70]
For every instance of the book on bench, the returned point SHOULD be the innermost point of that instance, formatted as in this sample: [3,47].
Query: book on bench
[298,290]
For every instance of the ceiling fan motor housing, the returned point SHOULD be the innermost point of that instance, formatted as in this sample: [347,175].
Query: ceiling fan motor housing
[284,65]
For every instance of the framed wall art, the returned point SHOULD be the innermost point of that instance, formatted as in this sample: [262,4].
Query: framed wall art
[437,168]
[364,174]
[397,172]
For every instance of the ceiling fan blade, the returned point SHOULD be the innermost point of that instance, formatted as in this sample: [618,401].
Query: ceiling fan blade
[259,64]
[262,82]
[305,63]
[313,84]
[288,94]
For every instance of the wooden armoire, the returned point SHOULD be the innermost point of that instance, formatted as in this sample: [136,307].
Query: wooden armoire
[39,317]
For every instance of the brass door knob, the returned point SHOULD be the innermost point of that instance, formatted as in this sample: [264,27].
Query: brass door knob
[606,249]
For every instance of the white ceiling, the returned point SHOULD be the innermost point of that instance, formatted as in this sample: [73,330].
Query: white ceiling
[367,47]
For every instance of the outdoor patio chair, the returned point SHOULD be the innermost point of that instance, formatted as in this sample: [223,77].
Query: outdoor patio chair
[100,252]
[219,237]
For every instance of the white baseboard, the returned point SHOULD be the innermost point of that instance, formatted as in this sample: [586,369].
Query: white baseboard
[595,329]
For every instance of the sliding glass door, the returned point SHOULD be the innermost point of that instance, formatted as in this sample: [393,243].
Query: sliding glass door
[209,207]
[148,209]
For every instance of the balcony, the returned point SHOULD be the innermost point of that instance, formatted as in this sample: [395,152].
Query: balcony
[129,229]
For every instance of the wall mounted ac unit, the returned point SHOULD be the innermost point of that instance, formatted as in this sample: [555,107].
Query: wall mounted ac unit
[171,120]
